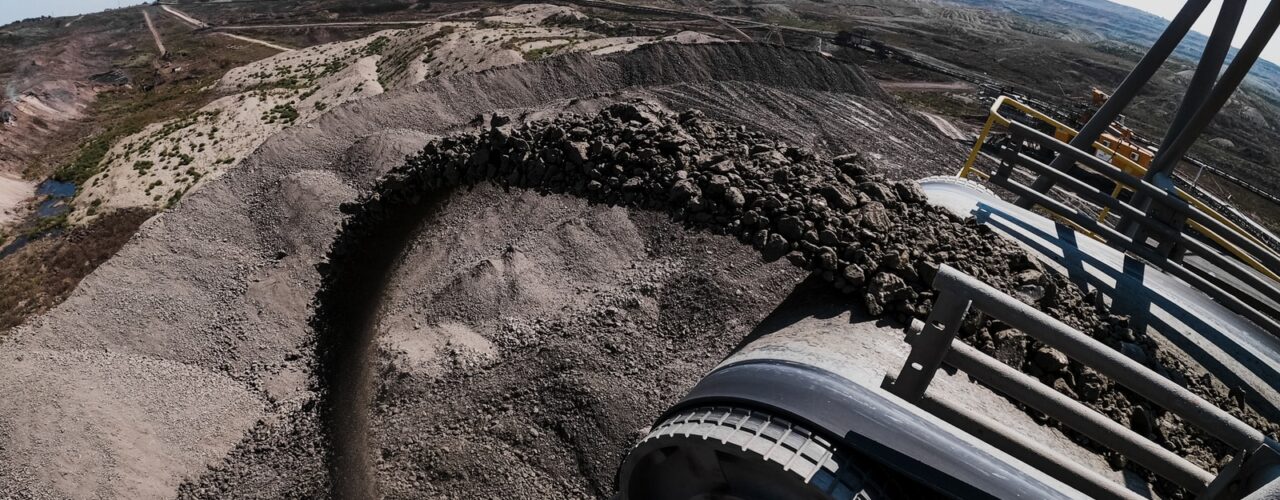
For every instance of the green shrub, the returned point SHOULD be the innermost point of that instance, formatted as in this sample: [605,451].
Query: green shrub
[281,113]
[86,163]
[46,224]
[377,46]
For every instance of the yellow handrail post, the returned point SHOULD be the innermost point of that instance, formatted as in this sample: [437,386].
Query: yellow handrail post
[977,149]
[1115,193]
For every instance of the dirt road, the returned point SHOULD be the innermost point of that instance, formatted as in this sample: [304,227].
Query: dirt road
[259,42]
[183,16]
[154,34]
[956,86]
[322,25]
[201,24]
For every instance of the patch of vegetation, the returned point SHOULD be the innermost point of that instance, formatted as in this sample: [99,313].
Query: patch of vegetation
[284,113]
[542,52]
[86,164]
[45,225]
[142,166]
[432,40]
[377,46]
[175,197]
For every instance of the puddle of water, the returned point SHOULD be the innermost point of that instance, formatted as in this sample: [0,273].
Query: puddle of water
[57,196]
[57,193]
[13,246]
[51,207]
[56,189]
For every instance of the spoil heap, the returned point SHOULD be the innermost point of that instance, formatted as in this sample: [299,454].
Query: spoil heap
[875,240]
[221,282]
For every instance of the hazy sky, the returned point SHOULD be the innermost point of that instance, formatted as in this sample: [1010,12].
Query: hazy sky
[1252,11]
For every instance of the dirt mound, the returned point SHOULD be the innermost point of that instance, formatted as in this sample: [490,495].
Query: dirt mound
[222,281]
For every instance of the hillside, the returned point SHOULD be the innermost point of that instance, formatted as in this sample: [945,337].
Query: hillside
[409,249]
[1127,25]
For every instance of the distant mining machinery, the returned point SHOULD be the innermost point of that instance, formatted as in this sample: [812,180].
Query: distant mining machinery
[800,420]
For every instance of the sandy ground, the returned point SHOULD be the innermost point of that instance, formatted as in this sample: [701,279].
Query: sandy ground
[166,161]
[13,192]
[221,283]
[164,415]
[486,305]
[39,113]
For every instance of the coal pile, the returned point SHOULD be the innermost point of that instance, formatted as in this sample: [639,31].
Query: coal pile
[878,241]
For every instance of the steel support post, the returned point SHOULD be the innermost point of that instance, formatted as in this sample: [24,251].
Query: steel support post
[1168,157]
[1226,86]
[1207,70]
[1206,74]
[929,347]
[1125,93]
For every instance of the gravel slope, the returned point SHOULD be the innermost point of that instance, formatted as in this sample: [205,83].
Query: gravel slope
[220,285]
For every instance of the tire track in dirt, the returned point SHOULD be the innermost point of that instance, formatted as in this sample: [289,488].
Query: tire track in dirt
[945,126]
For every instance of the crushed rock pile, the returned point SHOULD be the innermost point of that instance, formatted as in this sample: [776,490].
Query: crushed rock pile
[877,241]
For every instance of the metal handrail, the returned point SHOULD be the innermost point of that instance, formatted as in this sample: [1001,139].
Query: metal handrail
[934,344]
[1233,240]
[1230,236]
[1237,300]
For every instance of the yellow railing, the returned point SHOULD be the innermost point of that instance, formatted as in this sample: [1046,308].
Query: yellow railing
[1125,164]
